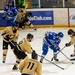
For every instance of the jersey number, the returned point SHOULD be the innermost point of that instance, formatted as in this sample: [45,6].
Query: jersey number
[30,65]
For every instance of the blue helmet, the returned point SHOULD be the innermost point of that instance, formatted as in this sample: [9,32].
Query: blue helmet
[60,34]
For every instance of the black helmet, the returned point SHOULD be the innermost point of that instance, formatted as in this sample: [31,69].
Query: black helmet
[15,24]
[29,35]
[70,31]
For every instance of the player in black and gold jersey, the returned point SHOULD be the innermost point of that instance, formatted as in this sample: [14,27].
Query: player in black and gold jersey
[22,48]
[31,66]
[9,34]
[71,33]
[22,18]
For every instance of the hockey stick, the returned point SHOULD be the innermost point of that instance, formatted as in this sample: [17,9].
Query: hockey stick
[51,62]
[44,58]
[65,55]
[58,52]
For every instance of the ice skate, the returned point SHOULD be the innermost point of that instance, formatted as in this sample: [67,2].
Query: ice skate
[41,60]
[35,29]
[3,61]
[15,67]
[72,55]
[56,59]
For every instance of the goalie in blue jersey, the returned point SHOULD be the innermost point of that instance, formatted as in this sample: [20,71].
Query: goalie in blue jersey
[52,41]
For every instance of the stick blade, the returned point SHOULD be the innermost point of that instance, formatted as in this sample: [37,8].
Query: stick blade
[72,59]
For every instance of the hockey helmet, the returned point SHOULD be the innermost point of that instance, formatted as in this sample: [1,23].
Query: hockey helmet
[70,31]
[60,34]
[29,35]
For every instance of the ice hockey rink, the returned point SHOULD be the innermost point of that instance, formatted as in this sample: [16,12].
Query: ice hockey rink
[47,67]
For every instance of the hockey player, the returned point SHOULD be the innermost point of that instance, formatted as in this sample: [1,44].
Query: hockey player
[71,33]
[22,18]
[9,34]
[52,41]
[22,48]
[31,66]
[10,12]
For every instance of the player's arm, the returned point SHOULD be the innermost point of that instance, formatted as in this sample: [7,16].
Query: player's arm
[5,31]
[21,65]
[39,69]
[29,49]
[16,37]
[71,42]
[15,10]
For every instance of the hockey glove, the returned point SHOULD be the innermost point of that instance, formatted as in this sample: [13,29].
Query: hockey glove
[33,52]
[14,42]
[67,44]
[58,48]
[7,37]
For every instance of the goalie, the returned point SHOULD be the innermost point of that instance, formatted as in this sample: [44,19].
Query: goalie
[22,19]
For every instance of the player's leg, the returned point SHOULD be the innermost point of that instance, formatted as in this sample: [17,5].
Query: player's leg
[5,50]
[72,55]
[19,56]
[21,25]
[29,24]
[45,51]
[55,53]
[12,45]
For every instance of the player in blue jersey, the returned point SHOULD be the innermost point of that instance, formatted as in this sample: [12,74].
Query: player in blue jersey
[52,41]
[10,12]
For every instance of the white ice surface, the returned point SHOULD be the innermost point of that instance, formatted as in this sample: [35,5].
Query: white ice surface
[47,67]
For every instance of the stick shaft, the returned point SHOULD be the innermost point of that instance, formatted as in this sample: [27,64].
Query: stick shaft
[58,53]
[52,63]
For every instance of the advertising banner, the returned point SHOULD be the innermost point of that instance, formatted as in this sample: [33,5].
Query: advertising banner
[42,17]
[2,22]
[72,16]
